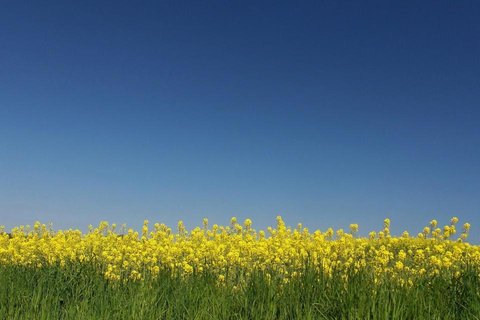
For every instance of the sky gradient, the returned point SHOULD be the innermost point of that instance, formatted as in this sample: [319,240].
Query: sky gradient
[324,112]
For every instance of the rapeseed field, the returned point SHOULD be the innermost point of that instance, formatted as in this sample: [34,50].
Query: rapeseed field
[237,272]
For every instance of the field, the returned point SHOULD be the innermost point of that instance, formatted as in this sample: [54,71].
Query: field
[236,272]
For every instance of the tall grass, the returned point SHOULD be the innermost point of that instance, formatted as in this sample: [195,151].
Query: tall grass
[80,291]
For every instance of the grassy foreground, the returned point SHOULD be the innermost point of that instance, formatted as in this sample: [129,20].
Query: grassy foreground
[81,292]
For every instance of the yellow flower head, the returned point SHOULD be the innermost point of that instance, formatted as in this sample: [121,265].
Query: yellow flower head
[353,228]
[386,223]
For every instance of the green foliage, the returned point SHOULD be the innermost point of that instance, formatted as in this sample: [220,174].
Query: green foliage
[79,291]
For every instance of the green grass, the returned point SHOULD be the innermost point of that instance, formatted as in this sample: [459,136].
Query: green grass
[80,292]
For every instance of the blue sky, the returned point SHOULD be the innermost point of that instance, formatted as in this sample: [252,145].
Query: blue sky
[324,112]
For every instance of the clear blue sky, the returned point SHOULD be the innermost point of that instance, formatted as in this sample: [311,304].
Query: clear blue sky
[325,112]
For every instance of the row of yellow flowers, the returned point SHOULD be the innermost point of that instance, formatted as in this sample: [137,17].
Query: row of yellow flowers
[221,250]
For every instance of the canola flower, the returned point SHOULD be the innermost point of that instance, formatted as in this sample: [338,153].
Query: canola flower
[227,251]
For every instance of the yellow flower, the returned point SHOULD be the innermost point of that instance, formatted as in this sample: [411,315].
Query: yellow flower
[222,250]
[353,228]
[399,265]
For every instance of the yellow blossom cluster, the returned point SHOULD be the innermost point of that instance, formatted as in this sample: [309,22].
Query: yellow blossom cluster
[223,250]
